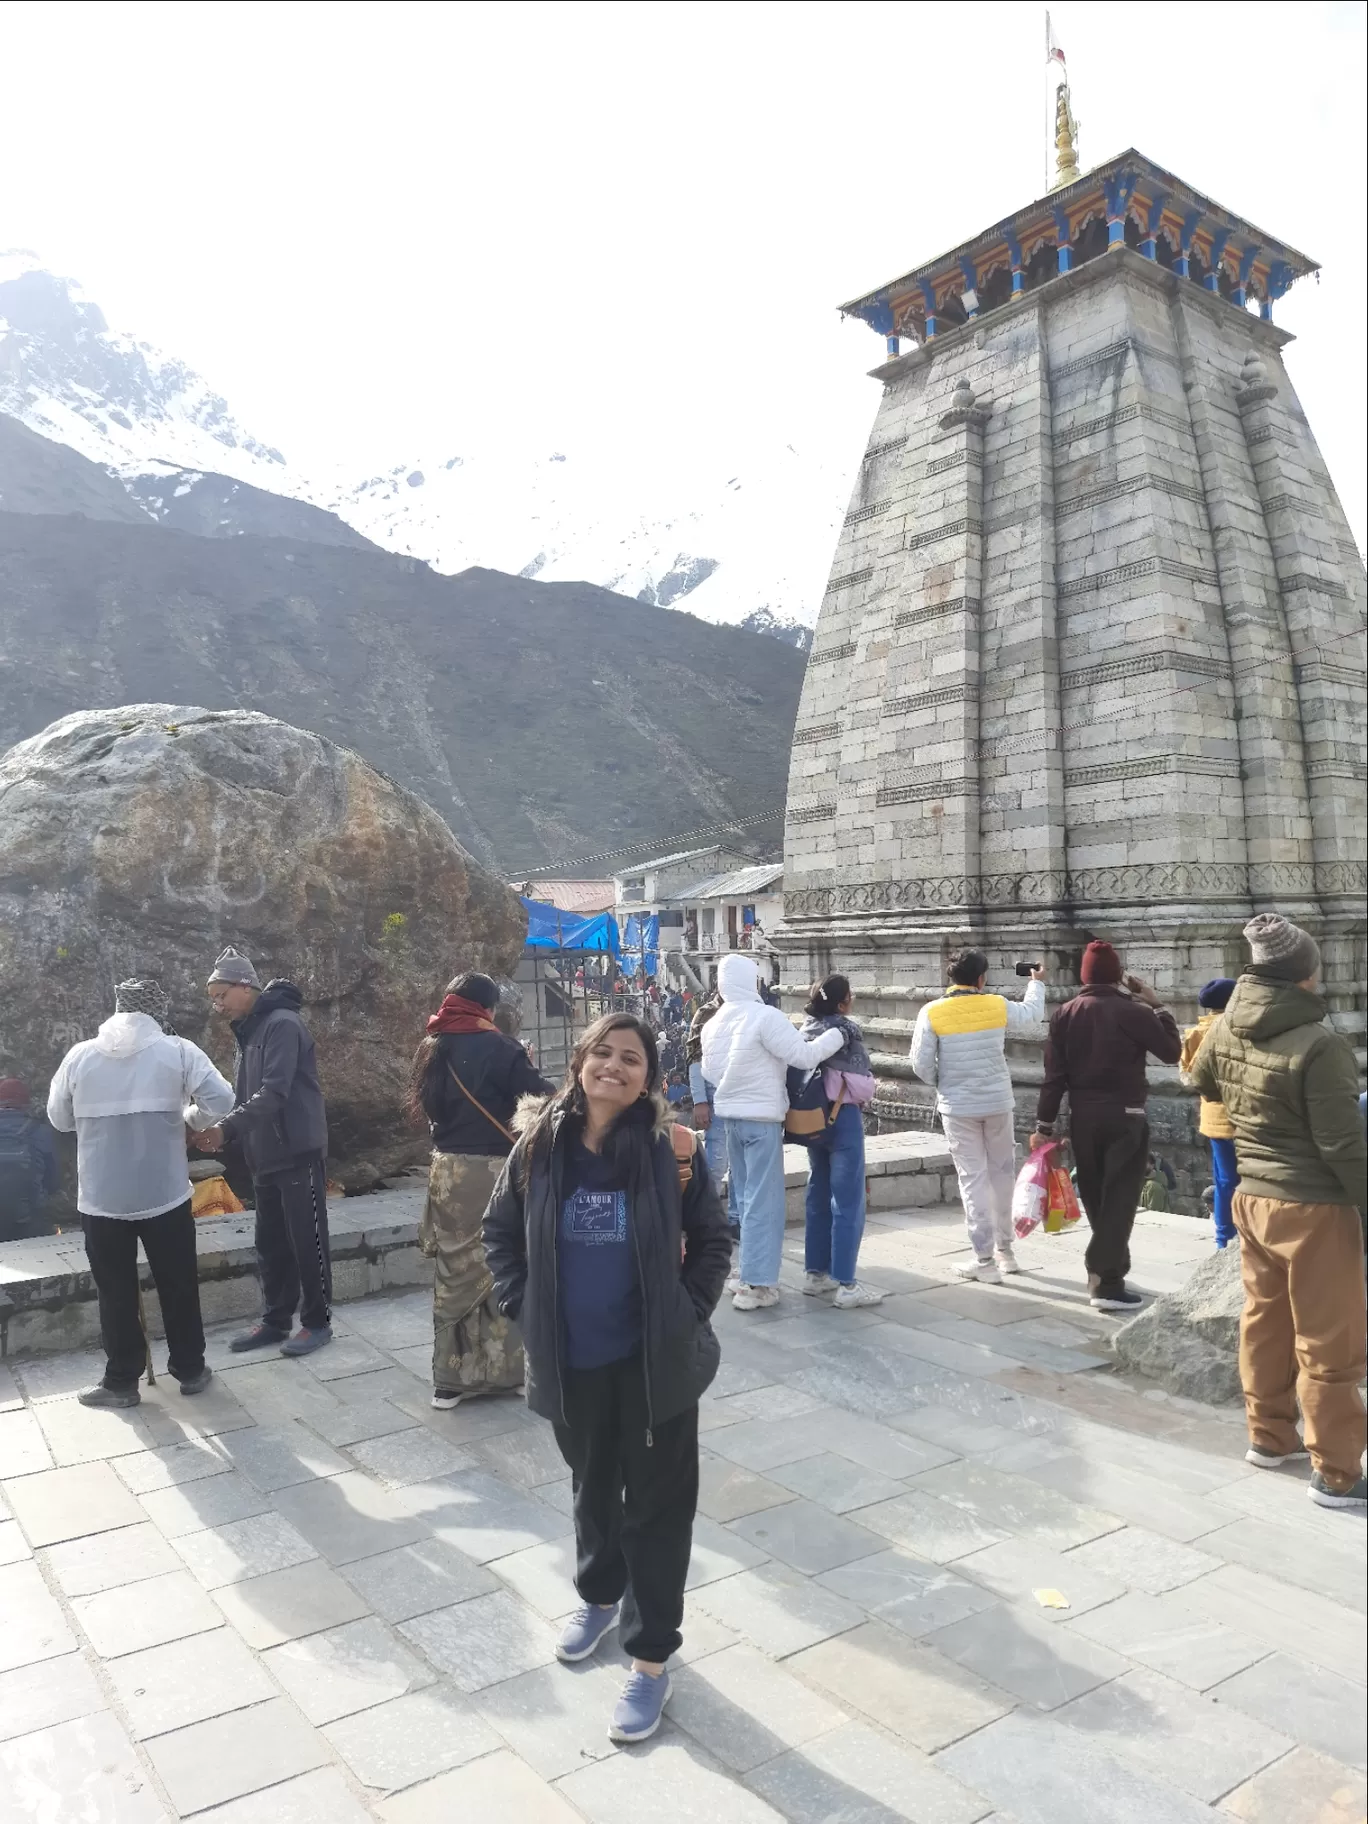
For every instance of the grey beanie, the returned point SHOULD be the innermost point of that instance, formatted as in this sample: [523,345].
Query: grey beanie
[232,967]
[1282,949]
[143,996]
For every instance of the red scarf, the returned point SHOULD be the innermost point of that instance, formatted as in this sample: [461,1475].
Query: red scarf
[457,1014]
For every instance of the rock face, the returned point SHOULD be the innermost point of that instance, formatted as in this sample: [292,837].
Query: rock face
[141,840]
[1189,1340]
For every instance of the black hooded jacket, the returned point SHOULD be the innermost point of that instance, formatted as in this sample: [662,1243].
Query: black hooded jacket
[680,1353]
[279,1116]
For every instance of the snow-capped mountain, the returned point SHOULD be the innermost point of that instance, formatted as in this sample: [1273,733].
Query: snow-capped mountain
[728,543]
[744,539]
[119,402]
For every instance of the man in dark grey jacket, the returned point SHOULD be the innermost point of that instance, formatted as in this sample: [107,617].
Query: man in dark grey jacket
[281,1124]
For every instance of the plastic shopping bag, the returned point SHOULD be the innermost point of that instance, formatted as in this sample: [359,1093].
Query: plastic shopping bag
[1062,1209]
[1032,1189]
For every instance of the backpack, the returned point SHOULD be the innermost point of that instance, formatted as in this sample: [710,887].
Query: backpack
[682,1139]
[809,1112]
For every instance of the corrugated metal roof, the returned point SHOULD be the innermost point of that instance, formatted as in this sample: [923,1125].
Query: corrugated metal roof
[741,883]
[665,861]
[576,895]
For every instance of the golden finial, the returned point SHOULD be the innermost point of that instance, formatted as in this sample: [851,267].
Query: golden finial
[1066,140]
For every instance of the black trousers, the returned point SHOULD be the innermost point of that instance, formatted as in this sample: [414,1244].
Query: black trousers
[294,1255]
[169,1244]
[634,1503]
[1111,1151]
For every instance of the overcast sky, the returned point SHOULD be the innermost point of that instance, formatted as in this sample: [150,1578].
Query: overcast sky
[387,230]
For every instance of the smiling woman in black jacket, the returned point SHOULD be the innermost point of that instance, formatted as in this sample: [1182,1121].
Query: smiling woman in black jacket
[613,1267]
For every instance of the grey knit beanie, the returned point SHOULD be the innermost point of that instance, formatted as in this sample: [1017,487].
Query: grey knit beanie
[143,996]
[232,967]
[1282,949]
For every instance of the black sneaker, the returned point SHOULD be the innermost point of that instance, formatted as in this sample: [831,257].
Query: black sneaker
[1118,1298]
[260,1336]
[108,1397]
[1323,1495]
[196,1383]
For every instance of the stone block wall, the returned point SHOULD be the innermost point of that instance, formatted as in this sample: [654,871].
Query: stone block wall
[1090,659]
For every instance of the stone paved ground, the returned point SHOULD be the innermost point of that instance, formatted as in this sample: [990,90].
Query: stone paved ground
[306,1596]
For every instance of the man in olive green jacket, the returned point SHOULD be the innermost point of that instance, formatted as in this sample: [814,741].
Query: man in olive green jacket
[1290,1086]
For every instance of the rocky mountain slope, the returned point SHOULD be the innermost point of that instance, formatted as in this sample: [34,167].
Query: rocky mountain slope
[544,721]
[744,538]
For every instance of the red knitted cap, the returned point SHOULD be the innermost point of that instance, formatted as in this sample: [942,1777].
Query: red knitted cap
[1100,965]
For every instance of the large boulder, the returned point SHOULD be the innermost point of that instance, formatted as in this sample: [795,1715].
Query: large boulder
[141,840]
[1189,1340]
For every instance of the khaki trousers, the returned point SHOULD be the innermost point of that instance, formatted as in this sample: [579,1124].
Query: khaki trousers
[1302,1331]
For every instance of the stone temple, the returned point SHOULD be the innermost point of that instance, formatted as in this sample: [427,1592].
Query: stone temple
[1090,661]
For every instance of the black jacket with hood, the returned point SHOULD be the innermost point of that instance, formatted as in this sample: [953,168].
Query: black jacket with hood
[279,1116]
[680,1352]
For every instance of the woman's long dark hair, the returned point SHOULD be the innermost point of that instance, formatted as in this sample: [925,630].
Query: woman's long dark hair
[419,1105]
[827,997]
[625,1143]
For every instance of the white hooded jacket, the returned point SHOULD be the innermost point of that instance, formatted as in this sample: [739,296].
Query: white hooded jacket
[748,1046]
[128,1094]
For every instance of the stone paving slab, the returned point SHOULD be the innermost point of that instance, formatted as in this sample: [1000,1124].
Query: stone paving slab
[308,1595]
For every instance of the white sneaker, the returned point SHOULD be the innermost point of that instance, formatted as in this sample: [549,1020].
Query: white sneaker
[986,1271]
[817,1285]
[446,1402]
[734,1283]
[848,1298]
[754,1298]
[1007,1261]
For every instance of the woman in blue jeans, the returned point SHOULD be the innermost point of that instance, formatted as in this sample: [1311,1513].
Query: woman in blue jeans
[836,1171]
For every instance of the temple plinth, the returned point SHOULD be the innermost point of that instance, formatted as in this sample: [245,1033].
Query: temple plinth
[1090,661]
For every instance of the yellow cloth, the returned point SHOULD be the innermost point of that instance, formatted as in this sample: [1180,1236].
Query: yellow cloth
[213,1197]
[1212,1121]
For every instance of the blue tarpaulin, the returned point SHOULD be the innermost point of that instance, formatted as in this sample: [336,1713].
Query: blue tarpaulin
[548,928]
[640,940]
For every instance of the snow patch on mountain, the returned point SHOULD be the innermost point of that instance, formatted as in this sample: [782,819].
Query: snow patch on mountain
[117,401]
[745,541]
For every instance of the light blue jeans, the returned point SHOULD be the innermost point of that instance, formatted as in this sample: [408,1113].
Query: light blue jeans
[714,1137]
[755,1152]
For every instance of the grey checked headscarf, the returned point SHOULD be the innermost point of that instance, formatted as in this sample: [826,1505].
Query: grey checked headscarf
[143,995]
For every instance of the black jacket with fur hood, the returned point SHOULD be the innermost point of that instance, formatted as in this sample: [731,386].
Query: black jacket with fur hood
[680,1352]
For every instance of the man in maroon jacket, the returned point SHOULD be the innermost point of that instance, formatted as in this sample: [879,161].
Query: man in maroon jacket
[1096,1050]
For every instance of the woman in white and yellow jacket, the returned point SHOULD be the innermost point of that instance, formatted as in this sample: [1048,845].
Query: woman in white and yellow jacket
[959,1044]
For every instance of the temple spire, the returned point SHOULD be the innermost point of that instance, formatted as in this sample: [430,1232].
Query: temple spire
[1066,127]
[1066,141]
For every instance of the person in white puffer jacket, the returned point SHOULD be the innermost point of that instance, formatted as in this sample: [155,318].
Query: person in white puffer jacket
[748,1047]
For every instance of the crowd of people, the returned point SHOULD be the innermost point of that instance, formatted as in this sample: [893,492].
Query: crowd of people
[581,1239]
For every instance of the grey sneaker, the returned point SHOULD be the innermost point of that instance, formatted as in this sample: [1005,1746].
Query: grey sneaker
[1323,1495]
[637,1714]
[103,1396]
[585,1629]
[1272,1459]
[304,1342]
[817,1285]
[260,1336]
[196,1383]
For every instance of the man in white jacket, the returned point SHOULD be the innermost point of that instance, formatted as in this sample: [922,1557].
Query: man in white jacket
[959,1044]
[747,1049]
[128,1094]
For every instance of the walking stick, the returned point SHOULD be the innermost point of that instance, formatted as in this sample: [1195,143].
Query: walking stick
[147,1346]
